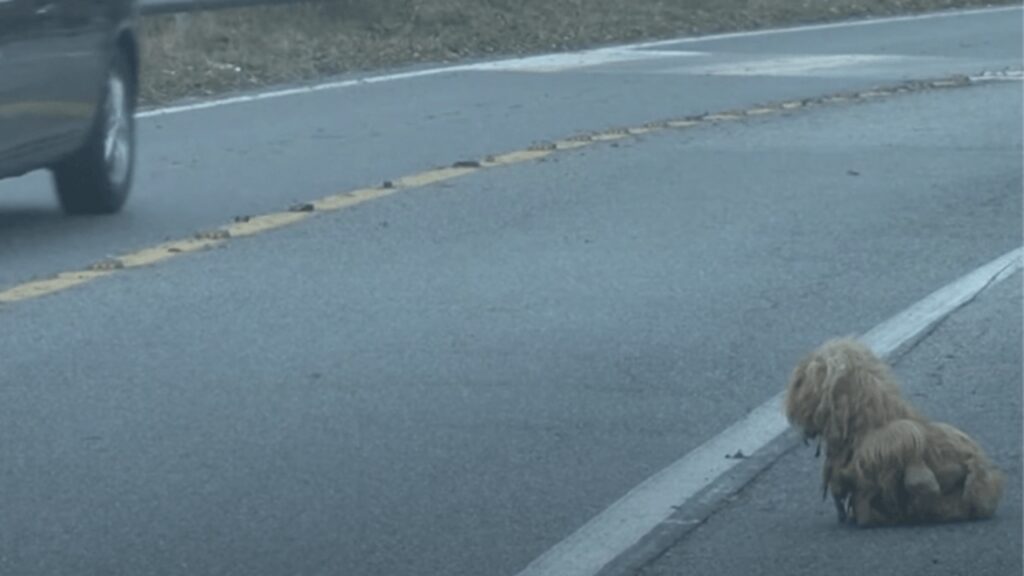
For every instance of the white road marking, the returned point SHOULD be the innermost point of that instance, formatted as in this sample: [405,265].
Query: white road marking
[574,60]
[342,84]
[893,333]
[542,63]
[297,90]
[625,522]
[797,65]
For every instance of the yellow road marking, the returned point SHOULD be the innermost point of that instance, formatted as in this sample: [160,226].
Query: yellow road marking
[264,223]
[724,117]
[570,144]
[250,226]
[62,281]
[432,177]
[348,199]
[519,157]
[166,251]
[607,136]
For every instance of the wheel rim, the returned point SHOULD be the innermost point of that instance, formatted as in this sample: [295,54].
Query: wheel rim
[117,139]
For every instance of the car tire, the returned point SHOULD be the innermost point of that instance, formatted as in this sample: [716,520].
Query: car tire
[97,178]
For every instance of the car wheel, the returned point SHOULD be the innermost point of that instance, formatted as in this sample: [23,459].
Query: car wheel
[97,178]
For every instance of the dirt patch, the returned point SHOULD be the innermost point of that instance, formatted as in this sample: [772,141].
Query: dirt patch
[208,53]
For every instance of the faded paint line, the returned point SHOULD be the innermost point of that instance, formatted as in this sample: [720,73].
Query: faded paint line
[258,224]
[796,65]
[561,62]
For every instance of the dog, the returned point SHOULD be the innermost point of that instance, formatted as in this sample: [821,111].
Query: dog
[885,463]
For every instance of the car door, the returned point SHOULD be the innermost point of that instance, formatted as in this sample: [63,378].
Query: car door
[49,76]
[14,129]
[74,50]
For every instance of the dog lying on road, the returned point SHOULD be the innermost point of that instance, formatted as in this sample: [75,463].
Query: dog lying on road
[884,462]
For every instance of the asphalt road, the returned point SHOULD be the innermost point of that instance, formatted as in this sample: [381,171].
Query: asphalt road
[202,168]
[967,373]
[452,379]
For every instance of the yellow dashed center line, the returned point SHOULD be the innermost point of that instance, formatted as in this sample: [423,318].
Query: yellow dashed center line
[58,283]
[608,136]
[251,226]
[347,200]
[265,223]
[433,177]
[519,157]
[682,123]
[166,251]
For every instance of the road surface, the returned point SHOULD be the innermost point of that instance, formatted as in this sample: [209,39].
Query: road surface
[452,378]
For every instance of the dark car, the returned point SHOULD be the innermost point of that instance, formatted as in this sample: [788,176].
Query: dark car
[68,92]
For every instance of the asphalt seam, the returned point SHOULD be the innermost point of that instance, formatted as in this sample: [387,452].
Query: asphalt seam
[244,226]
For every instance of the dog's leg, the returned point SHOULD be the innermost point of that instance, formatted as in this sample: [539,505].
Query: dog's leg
[841,485]
[867,515]
[983,488]
[863,515]
[842,505]
[919,479]
[826,477]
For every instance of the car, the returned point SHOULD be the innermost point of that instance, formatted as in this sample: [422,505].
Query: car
[69,77]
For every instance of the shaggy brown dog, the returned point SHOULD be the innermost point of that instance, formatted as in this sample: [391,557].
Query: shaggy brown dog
[884,462]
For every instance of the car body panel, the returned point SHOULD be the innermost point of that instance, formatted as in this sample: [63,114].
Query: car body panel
[53,62]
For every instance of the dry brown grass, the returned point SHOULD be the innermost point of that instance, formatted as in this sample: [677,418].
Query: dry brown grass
[209,53]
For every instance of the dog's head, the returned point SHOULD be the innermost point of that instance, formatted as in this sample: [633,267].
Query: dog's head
[806,396]
[841,390]
[820,390]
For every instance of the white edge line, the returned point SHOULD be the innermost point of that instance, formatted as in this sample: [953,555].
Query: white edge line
[893,333]
[177,109]
[340,84]
[625,522]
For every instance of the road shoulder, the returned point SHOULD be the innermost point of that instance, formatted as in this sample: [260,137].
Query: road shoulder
[967,373]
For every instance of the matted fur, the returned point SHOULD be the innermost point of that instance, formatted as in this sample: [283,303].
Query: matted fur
[884,462]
